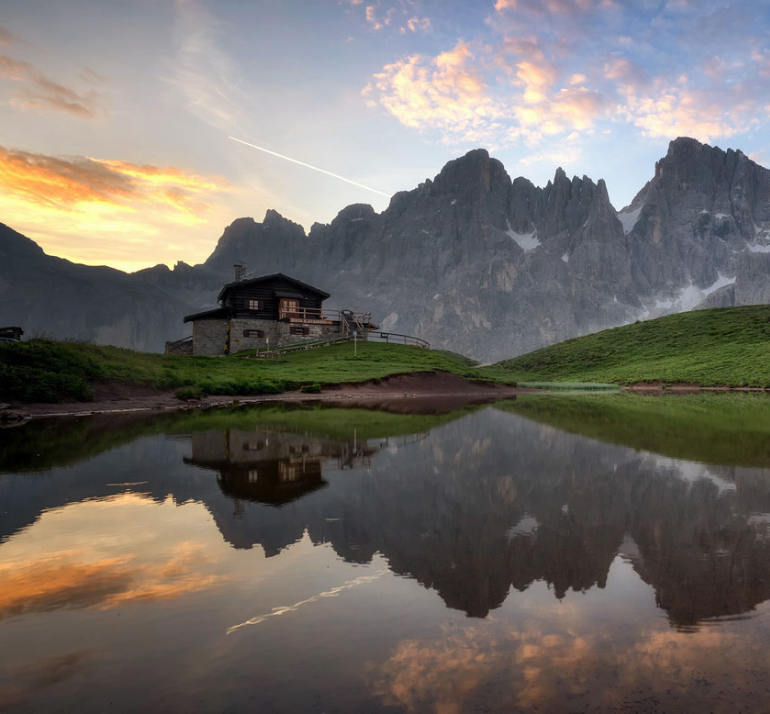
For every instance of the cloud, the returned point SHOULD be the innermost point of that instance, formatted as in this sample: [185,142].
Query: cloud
[205,75]
[374,21]
[552,68]
[455,94]
[45,94]
[74,206]
[76,182]
[7,37]
[447,93]
[28,678]
[418,24]
[71,580]
[559,661]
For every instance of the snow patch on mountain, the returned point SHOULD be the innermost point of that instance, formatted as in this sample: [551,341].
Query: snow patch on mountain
[525,241]
[690,296]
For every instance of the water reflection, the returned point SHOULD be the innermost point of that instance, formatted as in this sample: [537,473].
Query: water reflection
[484,504]
[506,558]
[272,467]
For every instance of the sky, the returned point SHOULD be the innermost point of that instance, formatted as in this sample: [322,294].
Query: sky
[119,116]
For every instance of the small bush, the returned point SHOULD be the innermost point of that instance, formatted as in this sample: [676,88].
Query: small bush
[314,388]
[190,393]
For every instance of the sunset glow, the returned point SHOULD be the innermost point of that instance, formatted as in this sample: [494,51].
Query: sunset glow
[126,134]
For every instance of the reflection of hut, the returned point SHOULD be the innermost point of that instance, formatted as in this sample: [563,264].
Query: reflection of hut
[270,466]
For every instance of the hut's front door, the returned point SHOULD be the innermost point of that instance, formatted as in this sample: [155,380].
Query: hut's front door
[289,307]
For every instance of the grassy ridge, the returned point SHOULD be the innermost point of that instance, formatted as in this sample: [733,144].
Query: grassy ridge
[48,371]
[724,346]
[729,429]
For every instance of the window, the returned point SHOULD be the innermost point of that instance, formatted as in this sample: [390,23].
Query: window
[299,330]
[253,333]
[289,308]
[253,304]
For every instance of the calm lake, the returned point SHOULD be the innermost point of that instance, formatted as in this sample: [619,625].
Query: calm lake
[560,553]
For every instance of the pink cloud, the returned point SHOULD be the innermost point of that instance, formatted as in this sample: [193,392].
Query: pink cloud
[44,94]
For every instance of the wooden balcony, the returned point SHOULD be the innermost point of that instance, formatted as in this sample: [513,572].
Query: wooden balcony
[322,316]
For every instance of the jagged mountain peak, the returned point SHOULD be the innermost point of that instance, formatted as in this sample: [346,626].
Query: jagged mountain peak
[354,212]
[475,262]
[471,172]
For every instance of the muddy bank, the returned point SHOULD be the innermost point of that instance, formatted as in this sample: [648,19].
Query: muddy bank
[422,392]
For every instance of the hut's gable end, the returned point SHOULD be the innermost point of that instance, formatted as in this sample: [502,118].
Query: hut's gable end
[261,299]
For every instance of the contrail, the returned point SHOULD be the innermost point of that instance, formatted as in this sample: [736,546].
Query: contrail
[276,611]
[308,166]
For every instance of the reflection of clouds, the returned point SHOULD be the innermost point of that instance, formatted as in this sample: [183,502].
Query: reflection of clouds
[68,580]
[58,565]
[32,676]
[557,665]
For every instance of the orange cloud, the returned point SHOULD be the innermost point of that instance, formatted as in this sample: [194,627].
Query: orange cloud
[450,93]
[45,94]
[446,92]
[671,110]
[68,580]
[557,662]
[75,182]
[74,206]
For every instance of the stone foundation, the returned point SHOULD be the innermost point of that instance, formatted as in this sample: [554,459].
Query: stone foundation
[278,332]
[209,337]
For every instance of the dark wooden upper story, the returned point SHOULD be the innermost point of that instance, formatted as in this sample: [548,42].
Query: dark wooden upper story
[270,297]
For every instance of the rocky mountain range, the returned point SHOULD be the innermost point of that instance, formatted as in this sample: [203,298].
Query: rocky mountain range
[471,260]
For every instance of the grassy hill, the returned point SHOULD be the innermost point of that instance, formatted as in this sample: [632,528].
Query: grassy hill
[724,346]
[48,371]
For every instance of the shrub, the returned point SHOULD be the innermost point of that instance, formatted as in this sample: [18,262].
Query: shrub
[190,393]
[314,388]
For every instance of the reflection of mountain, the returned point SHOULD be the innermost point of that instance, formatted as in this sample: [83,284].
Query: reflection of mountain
[475,507]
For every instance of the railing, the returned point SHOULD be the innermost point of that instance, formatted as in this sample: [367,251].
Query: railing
[398,339]
[321,314]
[389,337]
[273,352]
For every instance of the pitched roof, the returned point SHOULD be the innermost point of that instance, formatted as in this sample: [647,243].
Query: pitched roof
[216,313]
[272,276]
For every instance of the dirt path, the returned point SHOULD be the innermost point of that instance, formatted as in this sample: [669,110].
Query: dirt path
[423,392]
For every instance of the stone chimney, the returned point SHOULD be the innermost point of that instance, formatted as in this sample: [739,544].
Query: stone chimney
[239,271]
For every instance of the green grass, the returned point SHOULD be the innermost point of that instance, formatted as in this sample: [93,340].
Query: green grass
[572,386]
[725,346]
[52,443]
[730,429]
[47,371]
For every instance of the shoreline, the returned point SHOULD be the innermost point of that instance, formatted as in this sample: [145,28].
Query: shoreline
[418,391]
[421,389]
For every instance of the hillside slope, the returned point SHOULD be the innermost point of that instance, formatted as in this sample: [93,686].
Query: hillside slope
[721,346]
[48,371]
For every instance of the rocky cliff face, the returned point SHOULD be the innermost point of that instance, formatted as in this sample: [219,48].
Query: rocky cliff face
[475,262]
